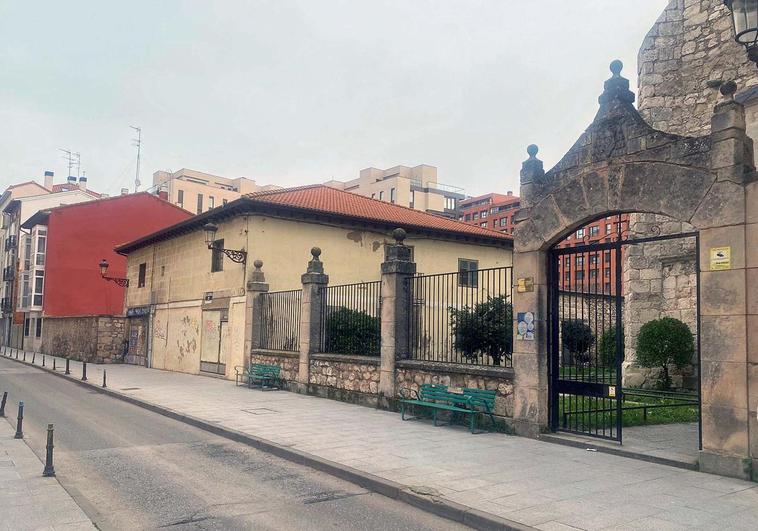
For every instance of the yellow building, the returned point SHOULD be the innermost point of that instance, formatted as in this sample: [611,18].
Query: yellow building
[187,300]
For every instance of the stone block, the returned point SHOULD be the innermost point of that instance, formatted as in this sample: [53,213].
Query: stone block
[530,264]
[751,242]
[725,430]
[751,276]
[732,236]
[725,465]
[751,199]
[722,292]
[527,236]
[723,205]
[723,338]
[723,384]
[547,219]
[752,338]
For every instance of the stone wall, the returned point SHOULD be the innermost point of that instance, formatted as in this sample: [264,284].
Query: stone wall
[691,44]
[596,310]
[351,373]
[410,374]
[288,361]
[96,339]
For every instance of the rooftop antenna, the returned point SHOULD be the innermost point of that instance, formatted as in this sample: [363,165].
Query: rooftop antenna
[78,157]
[69,156]
[137,142]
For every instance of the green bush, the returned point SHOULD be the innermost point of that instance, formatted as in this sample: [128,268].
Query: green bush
[664,342]
[484,330]
[352,332]
[577,339]
[606,348]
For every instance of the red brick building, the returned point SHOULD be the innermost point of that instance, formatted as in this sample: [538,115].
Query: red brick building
[491,211]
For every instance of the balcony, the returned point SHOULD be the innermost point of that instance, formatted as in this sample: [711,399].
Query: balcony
[11,242]
[9,273]
[6,305]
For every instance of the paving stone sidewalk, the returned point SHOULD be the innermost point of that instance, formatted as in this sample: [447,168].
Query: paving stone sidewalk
[27,500]
[540,484]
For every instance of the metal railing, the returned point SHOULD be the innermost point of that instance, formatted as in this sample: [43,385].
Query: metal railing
[280,320]
[462,317]
[11,242]
[9,273]
[351,319]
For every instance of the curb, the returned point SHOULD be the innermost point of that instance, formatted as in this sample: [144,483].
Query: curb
[434,505]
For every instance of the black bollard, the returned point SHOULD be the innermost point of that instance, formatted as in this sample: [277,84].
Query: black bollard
[54,363]
[104,378]
[2,404]
[34,356]
[24,355]
[84,371]
[16,353]
[20,422]
[43,360]
[67,371]
[49,470]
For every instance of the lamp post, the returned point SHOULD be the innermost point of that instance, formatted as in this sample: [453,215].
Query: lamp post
[239,256]
[745,23]
[123,282]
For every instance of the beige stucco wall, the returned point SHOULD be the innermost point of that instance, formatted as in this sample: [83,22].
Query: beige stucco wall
[178,275]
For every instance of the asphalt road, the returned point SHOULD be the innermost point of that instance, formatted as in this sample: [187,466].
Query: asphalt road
[129,468]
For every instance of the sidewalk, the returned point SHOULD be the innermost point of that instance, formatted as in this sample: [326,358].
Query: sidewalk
[27,500]
[535,483]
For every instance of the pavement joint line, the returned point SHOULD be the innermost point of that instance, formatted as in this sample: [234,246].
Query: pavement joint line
[434,505]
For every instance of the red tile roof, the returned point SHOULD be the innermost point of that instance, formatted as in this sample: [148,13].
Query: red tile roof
[321,198]
[70,187]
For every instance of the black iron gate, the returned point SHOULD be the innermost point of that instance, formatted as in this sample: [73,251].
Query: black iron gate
[586,329]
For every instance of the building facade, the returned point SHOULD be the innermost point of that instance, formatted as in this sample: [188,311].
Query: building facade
[66,306]
[490,211]
[197,301]
[198,192]
[415,188]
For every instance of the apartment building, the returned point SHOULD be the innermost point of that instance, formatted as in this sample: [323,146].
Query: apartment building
[415,188]
[199,192]
[491,211]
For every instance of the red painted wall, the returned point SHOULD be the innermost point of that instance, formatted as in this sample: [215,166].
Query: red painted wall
[81,235]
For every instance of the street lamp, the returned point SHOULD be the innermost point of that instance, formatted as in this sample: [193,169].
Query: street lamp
[745,22]
[239,256]
[123,282]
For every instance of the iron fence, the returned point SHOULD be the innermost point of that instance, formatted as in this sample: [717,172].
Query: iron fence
[462,317]
[280,320]
[351,322]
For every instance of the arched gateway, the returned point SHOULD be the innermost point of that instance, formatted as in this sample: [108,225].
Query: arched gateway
[706,184]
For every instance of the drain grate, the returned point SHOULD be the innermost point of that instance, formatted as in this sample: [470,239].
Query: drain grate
[130,388]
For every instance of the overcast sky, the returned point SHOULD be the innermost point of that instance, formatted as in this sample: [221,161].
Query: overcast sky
[297,92]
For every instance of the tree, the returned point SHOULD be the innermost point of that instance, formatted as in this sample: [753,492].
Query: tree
[663,342]
[352,332]
[485,329]
[577,339]
[606,348]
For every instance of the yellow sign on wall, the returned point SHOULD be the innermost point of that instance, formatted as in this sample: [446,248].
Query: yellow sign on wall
[721,258]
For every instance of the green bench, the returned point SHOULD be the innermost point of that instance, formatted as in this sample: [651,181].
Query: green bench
[259,374]
[437,397]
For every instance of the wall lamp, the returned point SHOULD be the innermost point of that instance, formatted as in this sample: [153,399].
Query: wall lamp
[123,282]
[210,240]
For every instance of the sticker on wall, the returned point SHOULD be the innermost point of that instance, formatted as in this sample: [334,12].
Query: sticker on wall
[524,285]
[721,258]
[525,326]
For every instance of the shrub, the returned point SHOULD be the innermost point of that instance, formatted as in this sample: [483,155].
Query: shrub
[352,332]
[606,348]
[485,329]
[664,342]
[577,339]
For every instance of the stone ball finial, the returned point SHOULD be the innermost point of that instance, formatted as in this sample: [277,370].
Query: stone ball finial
[616,67]
[399,235]
[258,264]
[532,150]
[727,89]
[315,252]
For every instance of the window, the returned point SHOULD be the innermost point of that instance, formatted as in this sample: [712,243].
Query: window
[580,233]
[39,285]
[483,224]
[476,215]
[493,210]
[593,260]
[373,196]
[413,198]
[392,195]
[468,217]
[607,272]
[593,274]
[217,256]
[467,277]
[568,276]
[180,198]
[199,203]
[27,325]
[41,246]
[579,260]
[594,230]
[381,195]
[568,262]
[483,214]
[449,203]
[607,258]
[38,328]
[607,287]
[142,275]
[25,291]
[580,275]
[28,252]
[163,270]
[211,202]
[224,201]
[607,228]
[503,222]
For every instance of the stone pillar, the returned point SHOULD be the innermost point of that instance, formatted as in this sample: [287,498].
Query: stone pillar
[530,358]
[256,287]
[727,295]
[396,307]
[311,313]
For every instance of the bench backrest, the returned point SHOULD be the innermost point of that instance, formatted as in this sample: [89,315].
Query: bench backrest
[441,394]
[264,370]
[481,397]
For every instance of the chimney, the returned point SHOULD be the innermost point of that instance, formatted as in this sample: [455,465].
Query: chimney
[124,191]
[71,180]
[163,194]
[49,180]
[82,183]
[509,193]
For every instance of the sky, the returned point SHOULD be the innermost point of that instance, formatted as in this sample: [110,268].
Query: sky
[297,92]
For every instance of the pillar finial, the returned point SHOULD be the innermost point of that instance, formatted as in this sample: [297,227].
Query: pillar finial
[399,235]
[728,89]
[617,87]
[315,253]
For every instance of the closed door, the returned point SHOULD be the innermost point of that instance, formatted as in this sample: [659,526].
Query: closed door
[210,351]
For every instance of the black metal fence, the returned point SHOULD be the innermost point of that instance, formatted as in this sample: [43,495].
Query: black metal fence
[280,320]
[351,322]
[462,317]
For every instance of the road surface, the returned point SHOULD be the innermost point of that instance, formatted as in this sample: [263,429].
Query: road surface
[129,468]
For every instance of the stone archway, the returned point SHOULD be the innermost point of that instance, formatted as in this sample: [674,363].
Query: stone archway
[621,164]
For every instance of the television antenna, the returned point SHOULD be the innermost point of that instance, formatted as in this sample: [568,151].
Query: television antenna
[137,142]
